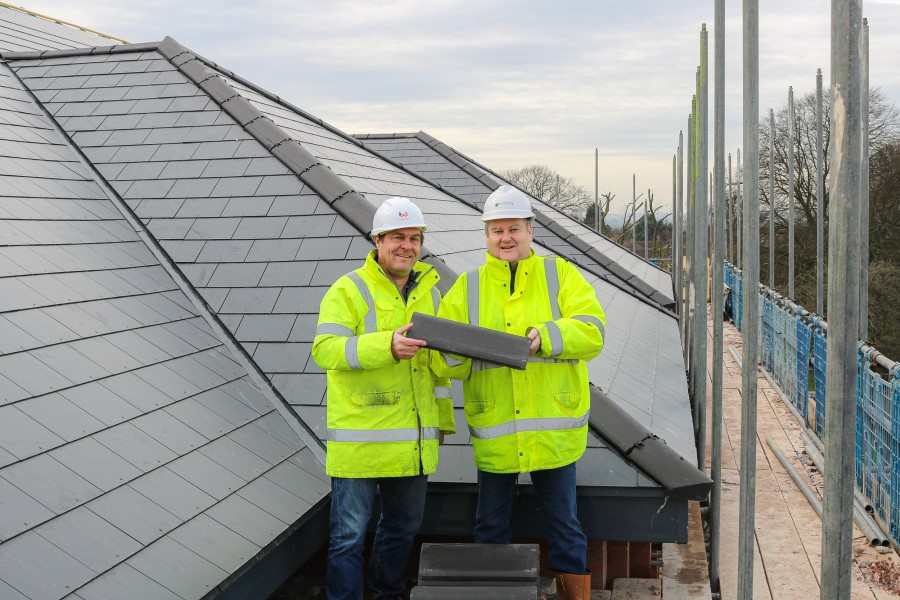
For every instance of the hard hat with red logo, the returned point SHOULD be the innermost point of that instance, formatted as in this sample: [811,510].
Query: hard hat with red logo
[397,213]
[507,202]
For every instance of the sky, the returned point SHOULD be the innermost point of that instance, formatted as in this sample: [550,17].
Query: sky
[508,82]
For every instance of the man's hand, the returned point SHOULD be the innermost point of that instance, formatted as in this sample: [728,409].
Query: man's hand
[535,336]
[402,347]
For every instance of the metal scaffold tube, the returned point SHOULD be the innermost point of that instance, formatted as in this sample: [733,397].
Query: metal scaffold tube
[718,281]
[864,193]
[700,248]
[820,201]
[790,143]
[739,201]
[772,199]
[688,239]
[843,295]
[749,300]
[677,229]
[729,213]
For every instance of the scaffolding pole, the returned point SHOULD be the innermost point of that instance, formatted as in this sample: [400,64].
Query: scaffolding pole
[739,199]
[820,200]
[750,299]
[843,295]
[790,141]
[771,198]
[718,281]
[679,230]
[729,236]
[689,240]
[864,193]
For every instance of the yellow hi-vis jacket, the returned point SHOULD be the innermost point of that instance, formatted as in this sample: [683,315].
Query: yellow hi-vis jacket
[523,421]
[384,415]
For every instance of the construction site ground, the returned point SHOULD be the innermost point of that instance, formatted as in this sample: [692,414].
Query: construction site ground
[788,529]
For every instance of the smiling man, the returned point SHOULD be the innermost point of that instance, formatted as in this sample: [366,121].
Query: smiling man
[532,421]
[387,412]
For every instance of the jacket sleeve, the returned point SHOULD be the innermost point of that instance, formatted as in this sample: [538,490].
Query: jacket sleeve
[453,307]
[579,332]
[337,346]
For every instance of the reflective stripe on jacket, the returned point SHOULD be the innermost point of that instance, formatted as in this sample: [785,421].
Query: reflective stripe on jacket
[534,419]
[384,415]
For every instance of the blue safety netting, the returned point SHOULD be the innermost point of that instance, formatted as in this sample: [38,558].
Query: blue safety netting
[791,339]
[876,442]
[820,362]
[804,346]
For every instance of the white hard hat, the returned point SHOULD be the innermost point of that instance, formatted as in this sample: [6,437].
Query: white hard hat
[507,202]
[397,213]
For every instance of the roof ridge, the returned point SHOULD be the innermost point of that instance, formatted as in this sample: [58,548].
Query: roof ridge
[183,283]
[332,188]
[679,477]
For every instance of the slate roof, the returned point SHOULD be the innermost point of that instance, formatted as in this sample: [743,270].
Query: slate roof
[455,172]
[138,457]
[167,232]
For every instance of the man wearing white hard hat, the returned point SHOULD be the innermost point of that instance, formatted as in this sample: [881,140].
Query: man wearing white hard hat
[387,413]
[533,421]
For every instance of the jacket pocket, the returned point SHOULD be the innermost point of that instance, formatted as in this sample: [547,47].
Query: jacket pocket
[568,400]
[374,399]
[478,407]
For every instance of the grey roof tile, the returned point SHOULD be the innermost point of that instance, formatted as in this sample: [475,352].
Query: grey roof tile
[281,357]
[299,299]
[211,477]
[50,483]
[222,228]
[273,250]
[219,251]
[277,500]
[247,520]
[23,436]
[216,543]
[88,539]
[182,571]
[201,419]
[39,569]
[169,431]
[323,248]
[173,493]
[237,275]
[95,463]
[135,446]
[252,228]
[20,511]
[96,400]
[134,513]
[59,415]
[251,300]
[305,389]
[237,459]
[125,582]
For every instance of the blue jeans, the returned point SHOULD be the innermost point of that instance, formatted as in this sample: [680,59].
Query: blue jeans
[402,508]
[555,492]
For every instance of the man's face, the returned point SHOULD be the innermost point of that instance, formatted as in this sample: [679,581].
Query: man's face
[509,239]
[398,251]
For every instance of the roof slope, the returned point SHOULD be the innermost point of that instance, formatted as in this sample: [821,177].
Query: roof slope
[21,30]
[260,244]
[456,172]
[137,456]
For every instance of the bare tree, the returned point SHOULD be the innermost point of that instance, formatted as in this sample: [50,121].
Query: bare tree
[544,183]
[606,199]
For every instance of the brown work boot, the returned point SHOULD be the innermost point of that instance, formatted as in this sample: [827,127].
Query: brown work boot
[570,586]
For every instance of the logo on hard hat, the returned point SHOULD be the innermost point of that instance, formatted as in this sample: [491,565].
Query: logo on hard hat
[502,203]
[403,215]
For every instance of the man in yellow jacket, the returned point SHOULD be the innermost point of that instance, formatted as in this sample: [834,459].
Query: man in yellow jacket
[533,421]
[387,413]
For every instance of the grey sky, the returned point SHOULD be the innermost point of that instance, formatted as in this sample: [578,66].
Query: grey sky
[506,82]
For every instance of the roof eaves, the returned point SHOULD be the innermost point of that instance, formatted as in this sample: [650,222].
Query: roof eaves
[677,476]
